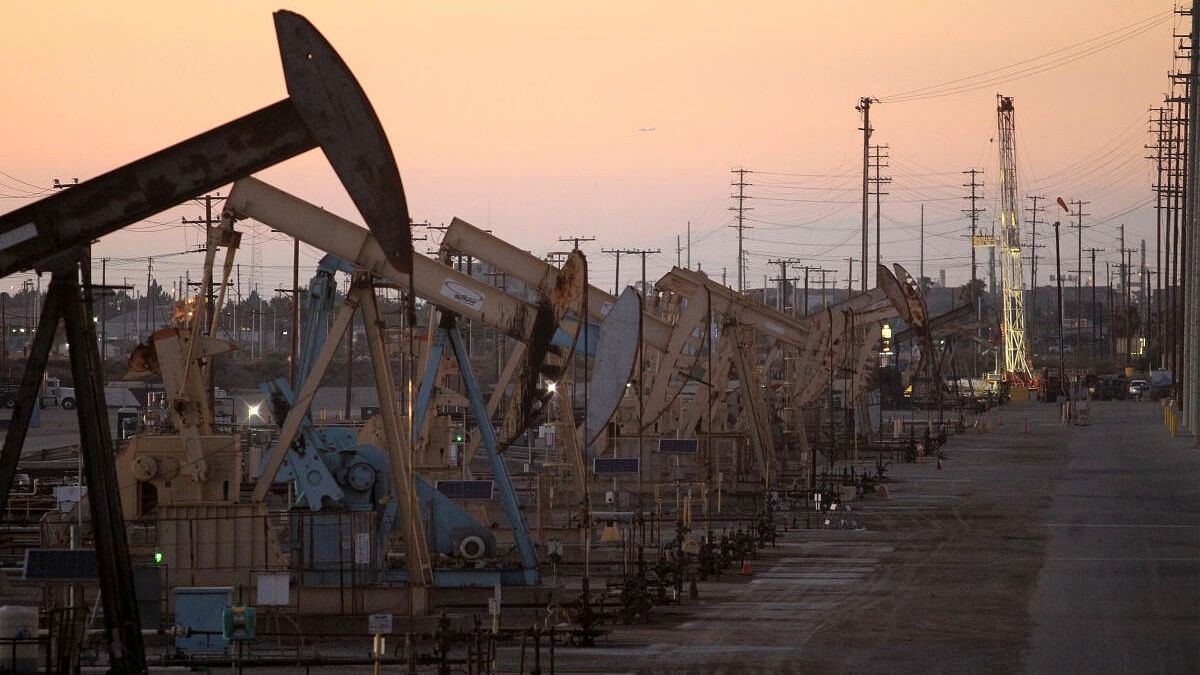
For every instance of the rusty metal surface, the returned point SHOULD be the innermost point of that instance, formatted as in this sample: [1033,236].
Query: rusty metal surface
[465,238]
[328,108]
[529,398]
[890,285]
[916,300]
[958,320]
[34,233]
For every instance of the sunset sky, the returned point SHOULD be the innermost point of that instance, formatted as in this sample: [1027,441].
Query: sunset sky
[532,118]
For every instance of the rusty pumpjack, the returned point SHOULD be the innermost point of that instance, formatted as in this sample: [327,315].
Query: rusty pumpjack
[325,108]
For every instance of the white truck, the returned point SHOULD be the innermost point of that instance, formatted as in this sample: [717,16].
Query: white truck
[53,393]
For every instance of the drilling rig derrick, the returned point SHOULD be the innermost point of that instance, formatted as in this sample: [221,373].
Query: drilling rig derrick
[1012,319]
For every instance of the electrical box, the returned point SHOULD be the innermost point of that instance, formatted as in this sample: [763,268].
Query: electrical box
[237,623]
[198,613]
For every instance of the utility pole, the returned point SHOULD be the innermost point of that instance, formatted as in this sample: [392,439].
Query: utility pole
[575,241]
[849,276]
[642,252]
[208,222]
[295,332]
[104,293]
[1034,214]
[780,304]
[150,304]
[973,214]
[878,181]
[1126,295]
[921,280]
[1191,359]
[1174,212]
[689,244]
[1079,227]
[1062,369]
[1155,318]
[1095,312]
[741,226]
[973,293]
[806,269]
[617,274]
[864,107]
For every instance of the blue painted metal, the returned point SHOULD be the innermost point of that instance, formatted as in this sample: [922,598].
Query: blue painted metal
[433,363]
[328,466]
[450,523]
[487,441]
[304,464]
[563,340]
[200,608]
[322,293]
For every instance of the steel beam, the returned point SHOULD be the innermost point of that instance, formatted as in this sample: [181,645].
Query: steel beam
[326,107]
[27,395]
[126,651]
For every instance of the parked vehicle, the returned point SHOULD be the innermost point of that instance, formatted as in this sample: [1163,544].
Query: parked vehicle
[1113,388]
[1138,387]
[8,394]
[56,394]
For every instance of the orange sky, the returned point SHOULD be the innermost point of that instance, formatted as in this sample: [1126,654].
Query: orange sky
[524,116]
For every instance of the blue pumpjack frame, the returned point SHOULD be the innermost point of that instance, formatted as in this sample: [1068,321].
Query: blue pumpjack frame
[448,335]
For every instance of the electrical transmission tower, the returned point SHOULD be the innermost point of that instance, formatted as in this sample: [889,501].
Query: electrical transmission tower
[1035,213]
[973,214]
[878,163]
[1016,353]
[741,226]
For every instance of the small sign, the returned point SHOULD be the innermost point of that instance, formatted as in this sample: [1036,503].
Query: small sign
[379,624]
[273,589]
[69,494]
[462,294]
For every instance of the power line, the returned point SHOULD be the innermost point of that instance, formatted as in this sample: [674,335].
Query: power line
[1034,65]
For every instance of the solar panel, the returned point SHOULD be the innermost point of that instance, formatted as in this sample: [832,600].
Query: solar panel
[610,465]
[466,489]
[678,445]
[60,564]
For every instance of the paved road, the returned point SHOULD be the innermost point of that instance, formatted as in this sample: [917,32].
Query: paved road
[1051,550]
[1119,590]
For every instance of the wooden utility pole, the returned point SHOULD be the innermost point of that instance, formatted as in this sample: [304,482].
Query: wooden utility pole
[1062,368]
[864,107]
[617,274]
[1154,326]
[575,241]
[1095,312]
[1079,226]
[295,331]
[780,302]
